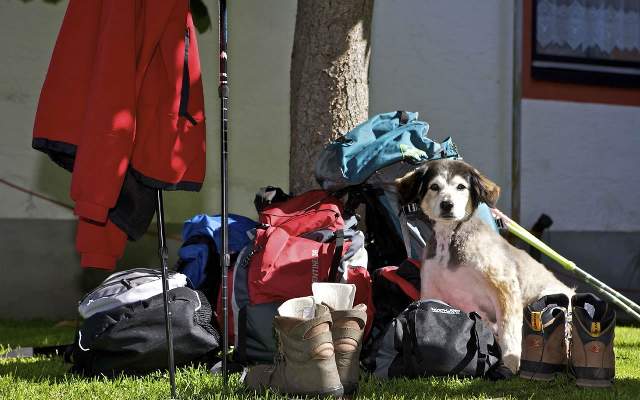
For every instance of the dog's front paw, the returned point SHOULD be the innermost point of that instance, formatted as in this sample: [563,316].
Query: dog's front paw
[512,361]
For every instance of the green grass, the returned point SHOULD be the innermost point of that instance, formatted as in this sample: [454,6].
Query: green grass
[47,378]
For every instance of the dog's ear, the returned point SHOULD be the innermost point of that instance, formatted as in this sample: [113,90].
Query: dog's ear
[409,186]
[483,190]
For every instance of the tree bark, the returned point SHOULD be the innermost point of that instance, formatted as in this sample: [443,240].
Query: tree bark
[329,79]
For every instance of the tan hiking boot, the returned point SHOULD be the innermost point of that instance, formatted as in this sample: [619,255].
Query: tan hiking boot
[347,330]
[544,346]
[592,360]
[305,363]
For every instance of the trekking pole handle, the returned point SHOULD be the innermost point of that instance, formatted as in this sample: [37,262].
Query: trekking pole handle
[529,238]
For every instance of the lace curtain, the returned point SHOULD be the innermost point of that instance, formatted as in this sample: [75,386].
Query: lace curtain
[600,29]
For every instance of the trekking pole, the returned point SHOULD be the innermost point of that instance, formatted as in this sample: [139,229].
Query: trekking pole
[164,257]
[223,93]
[615,297]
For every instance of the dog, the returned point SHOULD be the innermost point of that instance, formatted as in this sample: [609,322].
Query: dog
[466,263]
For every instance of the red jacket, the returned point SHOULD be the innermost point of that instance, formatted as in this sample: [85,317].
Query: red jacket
[117,95]
[123,92]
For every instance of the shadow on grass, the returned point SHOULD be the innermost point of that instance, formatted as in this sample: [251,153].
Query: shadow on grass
[38,369]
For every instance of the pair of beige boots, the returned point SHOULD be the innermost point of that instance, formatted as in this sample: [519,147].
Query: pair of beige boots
[319,341]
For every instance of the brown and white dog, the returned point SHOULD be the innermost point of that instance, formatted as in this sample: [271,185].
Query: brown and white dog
[466,263]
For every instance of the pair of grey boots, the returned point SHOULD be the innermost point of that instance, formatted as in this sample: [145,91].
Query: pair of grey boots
[588,330]
[319,341]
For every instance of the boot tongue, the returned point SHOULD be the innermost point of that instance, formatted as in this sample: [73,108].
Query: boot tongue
[590,309]
[591,306]
[337,296]
[300,308]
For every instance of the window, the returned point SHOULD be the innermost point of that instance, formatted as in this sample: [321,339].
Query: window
[595,41]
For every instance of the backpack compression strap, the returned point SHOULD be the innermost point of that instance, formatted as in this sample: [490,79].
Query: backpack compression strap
[390,274]
[334,275]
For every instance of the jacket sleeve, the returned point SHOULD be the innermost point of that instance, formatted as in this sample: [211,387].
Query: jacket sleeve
[99,245]
[107,130]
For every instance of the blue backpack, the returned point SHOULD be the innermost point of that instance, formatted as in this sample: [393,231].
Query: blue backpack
[199,255]
[383,140]
[363,165]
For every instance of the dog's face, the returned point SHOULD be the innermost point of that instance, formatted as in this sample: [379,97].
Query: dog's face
[447,190]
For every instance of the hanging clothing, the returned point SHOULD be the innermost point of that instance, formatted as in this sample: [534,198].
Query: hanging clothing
[123,97]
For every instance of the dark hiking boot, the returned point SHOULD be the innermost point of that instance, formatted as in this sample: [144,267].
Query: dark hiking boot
[592,361]
[347,329]
[544,346]
[305,363]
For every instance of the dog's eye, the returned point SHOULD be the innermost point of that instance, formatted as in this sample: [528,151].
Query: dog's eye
[461,187]
[434,187]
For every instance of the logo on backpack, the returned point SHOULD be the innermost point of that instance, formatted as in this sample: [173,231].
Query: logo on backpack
[445,310]
[315,265]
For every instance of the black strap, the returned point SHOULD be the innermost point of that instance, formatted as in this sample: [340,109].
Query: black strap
[334,273]
[268,195]
[186,83]
[242,336]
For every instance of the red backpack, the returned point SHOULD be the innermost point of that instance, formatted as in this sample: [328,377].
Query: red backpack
[285,261]
[299,241]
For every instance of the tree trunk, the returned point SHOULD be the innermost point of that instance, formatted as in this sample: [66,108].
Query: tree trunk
[329,82]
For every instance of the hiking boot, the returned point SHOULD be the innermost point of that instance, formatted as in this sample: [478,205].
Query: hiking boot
[347,329]
[305,363]
[592,361]
[544,346]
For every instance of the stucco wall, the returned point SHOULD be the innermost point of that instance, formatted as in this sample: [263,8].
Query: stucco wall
[451,61]
[260,41]
[580,165]
[25,57]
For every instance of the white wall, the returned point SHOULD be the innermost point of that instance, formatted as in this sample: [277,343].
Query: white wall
[448,59]
[580,165]
[260,41]
[29,33]
[451,61]
[260,44]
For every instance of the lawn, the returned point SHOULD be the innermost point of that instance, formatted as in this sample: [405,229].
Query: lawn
[46,378]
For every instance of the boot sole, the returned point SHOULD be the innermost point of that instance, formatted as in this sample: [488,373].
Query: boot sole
[538,376]
[593,383]
[337,392]
[593,377]
[540,371]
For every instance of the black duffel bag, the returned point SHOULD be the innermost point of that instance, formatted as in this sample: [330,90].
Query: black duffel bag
[132,339]
[431,338]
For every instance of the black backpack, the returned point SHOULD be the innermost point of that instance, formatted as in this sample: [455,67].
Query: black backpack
[131,339]
[393,289]
[431,338]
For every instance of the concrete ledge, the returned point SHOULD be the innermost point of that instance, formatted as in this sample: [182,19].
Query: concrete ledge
[41,273]
[612,257]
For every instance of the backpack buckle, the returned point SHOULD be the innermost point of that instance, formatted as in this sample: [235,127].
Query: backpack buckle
[410,208]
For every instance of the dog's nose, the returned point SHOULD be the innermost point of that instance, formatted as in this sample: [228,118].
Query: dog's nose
[446,205]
